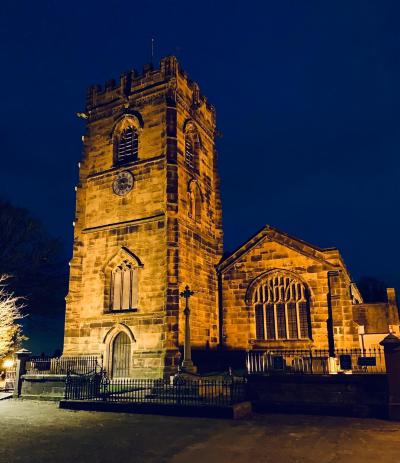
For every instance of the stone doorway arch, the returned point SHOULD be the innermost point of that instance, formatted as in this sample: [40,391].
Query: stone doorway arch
[121,356]
[119,346]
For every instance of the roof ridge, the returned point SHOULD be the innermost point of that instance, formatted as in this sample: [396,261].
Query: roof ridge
[260,235]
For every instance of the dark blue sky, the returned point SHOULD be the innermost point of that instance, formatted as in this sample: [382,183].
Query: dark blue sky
[307,97]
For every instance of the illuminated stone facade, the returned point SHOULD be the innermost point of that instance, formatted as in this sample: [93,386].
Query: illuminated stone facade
[167,228]
[329,299]
[149,221]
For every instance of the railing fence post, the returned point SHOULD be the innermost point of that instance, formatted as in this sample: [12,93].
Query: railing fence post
[391,345]
[22,357]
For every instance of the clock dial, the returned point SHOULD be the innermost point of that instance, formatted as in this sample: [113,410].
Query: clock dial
[123,184]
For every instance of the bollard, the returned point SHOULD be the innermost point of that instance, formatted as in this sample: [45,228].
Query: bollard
[391,345]
[22,357]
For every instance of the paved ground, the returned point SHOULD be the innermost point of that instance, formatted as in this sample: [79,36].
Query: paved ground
[40,432]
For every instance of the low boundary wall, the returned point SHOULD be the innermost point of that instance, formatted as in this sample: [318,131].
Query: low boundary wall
[344,395]
[241,410]
[43,387]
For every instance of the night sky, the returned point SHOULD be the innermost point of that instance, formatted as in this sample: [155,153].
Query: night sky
[307,97]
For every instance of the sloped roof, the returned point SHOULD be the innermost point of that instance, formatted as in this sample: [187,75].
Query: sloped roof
[329,256]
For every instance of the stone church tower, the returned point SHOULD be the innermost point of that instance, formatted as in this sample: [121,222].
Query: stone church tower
[148,222]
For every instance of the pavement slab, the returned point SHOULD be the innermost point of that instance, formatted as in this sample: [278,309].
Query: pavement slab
[34,431]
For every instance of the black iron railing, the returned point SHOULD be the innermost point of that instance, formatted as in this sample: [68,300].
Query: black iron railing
[199,392]
[316,361]
[64,365]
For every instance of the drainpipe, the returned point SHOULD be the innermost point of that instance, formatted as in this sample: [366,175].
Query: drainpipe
[220,310]
[329,322]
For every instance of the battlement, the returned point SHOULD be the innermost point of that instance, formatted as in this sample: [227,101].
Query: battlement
[132,82]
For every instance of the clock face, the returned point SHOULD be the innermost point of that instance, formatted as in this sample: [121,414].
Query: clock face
[123,184]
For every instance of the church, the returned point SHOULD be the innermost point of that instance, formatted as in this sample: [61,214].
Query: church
[148,222]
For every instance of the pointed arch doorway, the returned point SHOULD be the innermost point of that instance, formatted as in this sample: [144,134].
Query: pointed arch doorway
[121,356]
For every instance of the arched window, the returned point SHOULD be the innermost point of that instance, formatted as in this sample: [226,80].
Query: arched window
[124,286]
[192,145]
[127,146]
[194,201]
[282,307]
[121,356]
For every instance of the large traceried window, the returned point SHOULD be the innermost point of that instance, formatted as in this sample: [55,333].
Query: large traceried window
[124,287]
[282,307]
[127,146]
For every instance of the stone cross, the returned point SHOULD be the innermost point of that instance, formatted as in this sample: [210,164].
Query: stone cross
[187,363]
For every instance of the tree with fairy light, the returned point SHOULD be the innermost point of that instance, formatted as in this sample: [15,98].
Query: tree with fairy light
[11,335]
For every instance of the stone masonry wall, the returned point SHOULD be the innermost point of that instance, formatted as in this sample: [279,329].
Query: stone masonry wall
[348,395]
[150,222]
[195,244]
[239,317]
[107,224]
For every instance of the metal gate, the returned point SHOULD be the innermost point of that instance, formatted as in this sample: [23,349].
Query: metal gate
[9,383]
[121,356]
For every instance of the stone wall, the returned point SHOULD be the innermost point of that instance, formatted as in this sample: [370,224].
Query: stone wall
[149,224]
[109,227]
[321,271]
[348,395]
[43,387]
[378,317]
[200,238]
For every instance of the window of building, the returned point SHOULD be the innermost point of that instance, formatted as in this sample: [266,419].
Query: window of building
[281,304]
[124,287]
[190,151]
[192,146]
[127,146]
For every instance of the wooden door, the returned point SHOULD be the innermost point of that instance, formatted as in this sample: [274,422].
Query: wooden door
[121,356]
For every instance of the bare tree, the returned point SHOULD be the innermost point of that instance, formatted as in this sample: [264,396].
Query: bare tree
[34,259]
[10,312]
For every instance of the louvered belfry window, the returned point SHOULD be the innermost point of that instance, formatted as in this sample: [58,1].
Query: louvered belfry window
[127,149]
[189,151]
[281,304]
[124,287]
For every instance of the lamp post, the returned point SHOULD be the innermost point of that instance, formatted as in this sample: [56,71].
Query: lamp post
[187,363]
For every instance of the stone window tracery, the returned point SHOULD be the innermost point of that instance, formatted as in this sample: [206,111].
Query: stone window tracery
[281,304]
[127,145]
[124,286]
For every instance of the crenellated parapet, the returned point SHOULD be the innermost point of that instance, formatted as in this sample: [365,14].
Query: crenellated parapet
[132,83]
